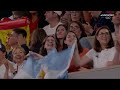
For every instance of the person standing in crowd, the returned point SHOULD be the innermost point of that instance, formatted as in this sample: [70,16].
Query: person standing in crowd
[103,54]
[53,18]
[79,30]
[97,21]
[16,38]
[70,39]
[37,38]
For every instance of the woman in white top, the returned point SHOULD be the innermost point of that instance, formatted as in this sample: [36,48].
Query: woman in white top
[103,54]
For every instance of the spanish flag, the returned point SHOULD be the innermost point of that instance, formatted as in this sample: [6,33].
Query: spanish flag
[7,27]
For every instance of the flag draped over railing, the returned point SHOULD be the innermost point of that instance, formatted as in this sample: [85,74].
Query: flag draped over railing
[7,27]
[55,64]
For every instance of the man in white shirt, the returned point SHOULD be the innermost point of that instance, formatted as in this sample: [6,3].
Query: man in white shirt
[53,18]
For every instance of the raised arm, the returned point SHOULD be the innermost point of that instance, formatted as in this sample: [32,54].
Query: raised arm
[116,59]
[80,61]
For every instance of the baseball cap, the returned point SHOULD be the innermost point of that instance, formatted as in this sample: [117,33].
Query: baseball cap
[58,12]
[2,48]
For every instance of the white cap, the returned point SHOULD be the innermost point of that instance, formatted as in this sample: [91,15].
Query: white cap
[58,12]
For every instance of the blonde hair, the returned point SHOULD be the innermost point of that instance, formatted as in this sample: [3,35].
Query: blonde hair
[18,47]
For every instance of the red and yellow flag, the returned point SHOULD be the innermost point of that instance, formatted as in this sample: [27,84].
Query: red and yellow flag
[7,27]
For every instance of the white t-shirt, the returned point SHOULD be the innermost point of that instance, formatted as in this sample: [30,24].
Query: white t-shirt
[100,59]
[49,30]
